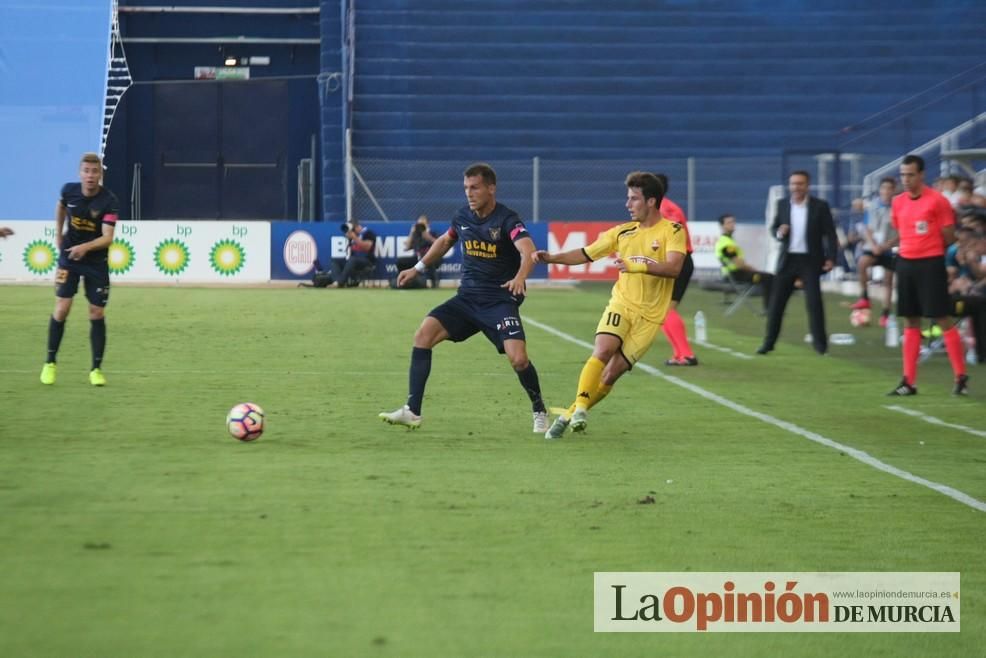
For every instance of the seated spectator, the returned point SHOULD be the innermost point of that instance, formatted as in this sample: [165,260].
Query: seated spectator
[956,256]
[362,258]
[730,254]
[969,287]
[948,186]
[878,239]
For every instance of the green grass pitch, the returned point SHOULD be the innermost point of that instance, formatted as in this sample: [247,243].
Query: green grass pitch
[132,525]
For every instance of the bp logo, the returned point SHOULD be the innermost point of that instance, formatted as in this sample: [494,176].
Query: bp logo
[39,257]
[171,257]
[227,257]
[121,256]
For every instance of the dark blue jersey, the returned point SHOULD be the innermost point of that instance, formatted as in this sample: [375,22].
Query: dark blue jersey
[86,216]
[489,257]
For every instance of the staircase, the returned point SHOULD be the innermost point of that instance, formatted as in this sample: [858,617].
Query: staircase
[118,78]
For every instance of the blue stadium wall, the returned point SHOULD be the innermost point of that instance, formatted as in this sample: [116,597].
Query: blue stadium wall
[51,98]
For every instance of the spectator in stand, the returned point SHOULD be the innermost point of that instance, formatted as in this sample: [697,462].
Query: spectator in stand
[948,186]
[969,288]
[956,260]
[674,328]
[879,238]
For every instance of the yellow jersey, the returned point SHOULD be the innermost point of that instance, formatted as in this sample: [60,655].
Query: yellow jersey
[647,294]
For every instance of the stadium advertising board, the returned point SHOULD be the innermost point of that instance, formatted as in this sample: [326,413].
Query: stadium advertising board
[295,246]
[563,236]
[160,251]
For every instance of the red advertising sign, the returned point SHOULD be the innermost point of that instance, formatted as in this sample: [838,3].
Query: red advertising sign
[563,236]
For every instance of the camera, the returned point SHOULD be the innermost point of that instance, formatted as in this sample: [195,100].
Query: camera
[345,227]
[419,228]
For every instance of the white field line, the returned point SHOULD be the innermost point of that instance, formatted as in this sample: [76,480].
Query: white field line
[855,453]
[738,355]
[506,372]
[934,421]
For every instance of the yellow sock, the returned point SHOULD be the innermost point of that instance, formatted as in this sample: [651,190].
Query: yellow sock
[588,382]
[601,392]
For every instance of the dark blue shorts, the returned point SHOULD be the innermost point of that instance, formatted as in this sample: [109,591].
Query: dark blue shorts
[96,275]
[463,317]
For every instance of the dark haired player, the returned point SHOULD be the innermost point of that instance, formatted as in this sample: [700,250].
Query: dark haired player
[925,222]
[85,218]
[496,260]
[650,252]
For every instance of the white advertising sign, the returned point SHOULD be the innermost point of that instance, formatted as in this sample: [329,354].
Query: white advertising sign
[151,251]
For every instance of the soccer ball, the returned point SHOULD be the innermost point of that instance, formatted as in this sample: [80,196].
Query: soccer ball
[860,317]
[245,421]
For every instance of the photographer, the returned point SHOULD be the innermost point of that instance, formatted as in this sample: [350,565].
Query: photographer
[419,240]
[362,255]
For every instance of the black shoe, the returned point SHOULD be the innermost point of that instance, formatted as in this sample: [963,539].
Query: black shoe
[763,349]
[903,389]
[961,385]
[683,361]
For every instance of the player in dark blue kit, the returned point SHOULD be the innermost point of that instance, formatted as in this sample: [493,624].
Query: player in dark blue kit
[85,218]
[496,259]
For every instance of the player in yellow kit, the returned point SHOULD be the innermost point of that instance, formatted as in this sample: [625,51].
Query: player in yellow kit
[650,251]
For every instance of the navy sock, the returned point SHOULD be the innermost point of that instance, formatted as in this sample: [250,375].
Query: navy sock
[417,378]
[529,380]
[56,330]
[97,339]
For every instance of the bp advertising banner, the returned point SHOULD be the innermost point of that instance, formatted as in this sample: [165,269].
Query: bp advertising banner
[152,251]
[295,246]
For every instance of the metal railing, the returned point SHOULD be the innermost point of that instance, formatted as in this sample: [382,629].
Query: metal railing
[544,190]
[931,151]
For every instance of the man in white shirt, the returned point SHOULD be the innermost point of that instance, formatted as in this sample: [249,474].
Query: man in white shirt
[805,228]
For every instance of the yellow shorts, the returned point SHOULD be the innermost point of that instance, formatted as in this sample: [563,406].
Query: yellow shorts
[636,332]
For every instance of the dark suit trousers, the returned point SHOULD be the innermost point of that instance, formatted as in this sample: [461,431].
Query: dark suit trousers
[797,266]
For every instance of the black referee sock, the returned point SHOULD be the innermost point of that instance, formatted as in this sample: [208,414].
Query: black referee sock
[529,380]
[97,338]
[56,330]
[417,378]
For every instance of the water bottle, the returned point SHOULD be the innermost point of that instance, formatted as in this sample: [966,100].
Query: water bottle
[700,334]
[892,339]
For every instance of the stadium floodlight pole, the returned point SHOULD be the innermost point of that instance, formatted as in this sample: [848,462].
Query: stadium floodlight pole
[348,174]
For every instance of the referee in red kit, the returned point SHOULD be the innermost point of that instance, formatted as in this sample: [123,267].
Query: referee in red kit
[925,221]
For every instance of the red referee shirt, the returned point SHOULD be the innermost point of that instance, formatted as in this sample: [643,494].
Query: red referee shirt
[920,222]
[673,211]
